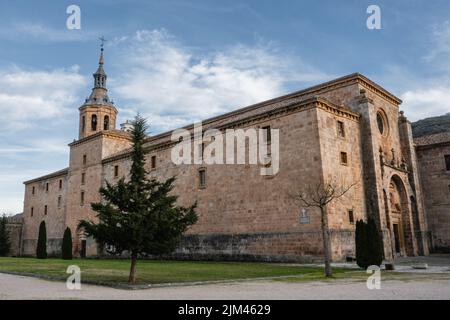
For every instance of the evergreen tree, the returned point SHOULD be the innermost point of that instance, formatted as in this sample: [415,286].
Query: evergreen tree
[369,249]
[66,249]
[139,216]
[4,237]
[375,245]
[41,250]
[361,244]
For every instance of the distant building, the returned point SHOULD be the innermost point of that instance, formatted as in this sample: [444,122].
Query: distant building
[433,152]
[349,127]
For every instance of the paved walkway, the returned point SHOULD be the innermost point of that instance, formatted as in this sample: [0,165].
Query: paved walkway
[19,287]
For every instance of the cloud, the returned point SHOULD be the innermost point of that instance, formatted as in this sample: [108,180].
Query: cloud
[174,85]
[26,97]
[41,32]
[440,43]
[427,102]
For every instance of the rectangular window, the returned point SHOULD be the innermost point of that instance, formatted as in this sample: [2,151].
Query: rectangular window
[84,159]
[341,129]
[447,162]
[267,135]
[202,178]
[33,190]
[116,171]
[153,162]
[46,187]
[32,211]
[45,210]
[60,184]
[83,178]
[82,198]
[59,201]
[351,217]
[344,158]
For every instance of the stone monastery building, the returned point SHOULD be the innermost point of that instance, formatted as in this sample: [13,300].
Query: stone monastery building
[349,127]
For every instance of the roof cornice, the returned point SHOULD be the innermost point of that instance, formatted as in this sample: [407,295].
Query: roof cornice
[55,174]
[109,133]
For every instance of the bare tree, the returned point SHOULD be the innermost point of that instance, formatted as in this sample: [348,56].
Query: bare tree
[319,195]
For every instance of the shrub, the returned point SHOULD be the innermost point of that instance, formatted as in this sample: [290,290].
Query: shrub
[369,249]
[66,250]
[4,237]
[41,250]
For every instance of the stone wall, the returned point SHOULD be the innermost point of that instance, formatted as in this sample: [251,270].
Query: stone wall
[55,198]
[436,181]
[14,228]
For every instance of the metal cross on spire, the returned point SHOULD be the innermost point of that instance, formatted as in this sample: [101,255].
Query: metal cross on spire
[103,40]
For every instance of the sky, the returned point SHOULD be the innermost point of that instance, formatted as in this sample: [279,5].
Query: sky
[177,62]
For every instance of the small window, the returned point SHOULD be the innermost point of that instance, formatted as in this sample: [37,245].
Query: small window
[83,124]
[60,184]
[32,211]
[202,178]
[267,134]
[33,190]
[344,158]
[45,210]
[116,171]
[83,178]
[106,123]
[84,159]
[46,187]
[82,198]
[447,162]
[341,129]
[153,162]
[94,123]
[351,217]
[59,201]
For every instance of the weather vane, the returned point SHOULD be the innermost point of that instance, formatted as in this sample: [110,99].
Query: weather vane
[103,40]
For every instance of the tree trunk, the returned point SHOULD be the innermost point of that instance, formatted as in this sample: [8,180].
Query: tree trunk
[326,242]
[132,278]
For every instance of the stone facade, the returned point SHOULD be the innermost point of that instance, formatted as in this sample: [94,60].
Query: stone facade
[245,215]
[14,227]
[432,152]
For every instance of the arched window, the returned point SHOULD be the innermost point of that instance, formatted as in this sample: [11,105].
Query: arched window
[106,123]
[83,124]
[94,123]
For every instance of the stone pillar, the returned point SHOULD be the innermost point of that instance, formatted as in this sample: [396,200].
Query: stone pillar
[420,225]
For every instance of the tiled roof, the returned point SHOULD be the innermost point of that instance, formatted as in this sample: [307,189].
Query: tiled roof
[431,139]
[49,176]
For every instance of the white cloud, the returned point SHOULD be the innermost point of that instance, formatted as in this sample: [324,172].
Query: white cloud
[440,43]
[41,32]
[426,102]
[174,85]
[29,96]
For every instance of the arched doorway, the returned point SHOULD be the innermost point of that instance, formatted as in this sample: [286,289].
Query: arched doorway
[400,218]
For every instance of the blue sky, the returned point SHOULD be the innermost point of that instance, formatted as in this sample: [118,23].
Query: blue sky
[181,61]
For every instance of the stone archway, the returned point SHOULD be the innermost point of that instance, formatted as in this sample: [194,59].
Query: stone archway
[399,218]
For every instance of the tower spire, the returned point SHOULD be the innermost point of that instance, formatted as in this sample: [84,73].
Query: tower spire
[99,92]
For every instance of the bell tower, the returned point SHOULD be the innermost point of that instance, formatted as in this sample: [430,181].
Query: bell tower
[98,112]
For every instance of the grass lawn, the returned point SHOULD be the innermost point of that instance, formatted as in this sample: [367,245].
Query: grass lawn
[111,271]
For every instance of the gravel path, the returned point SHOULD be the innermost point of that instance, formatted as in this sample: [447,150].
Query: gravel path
[19,287]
